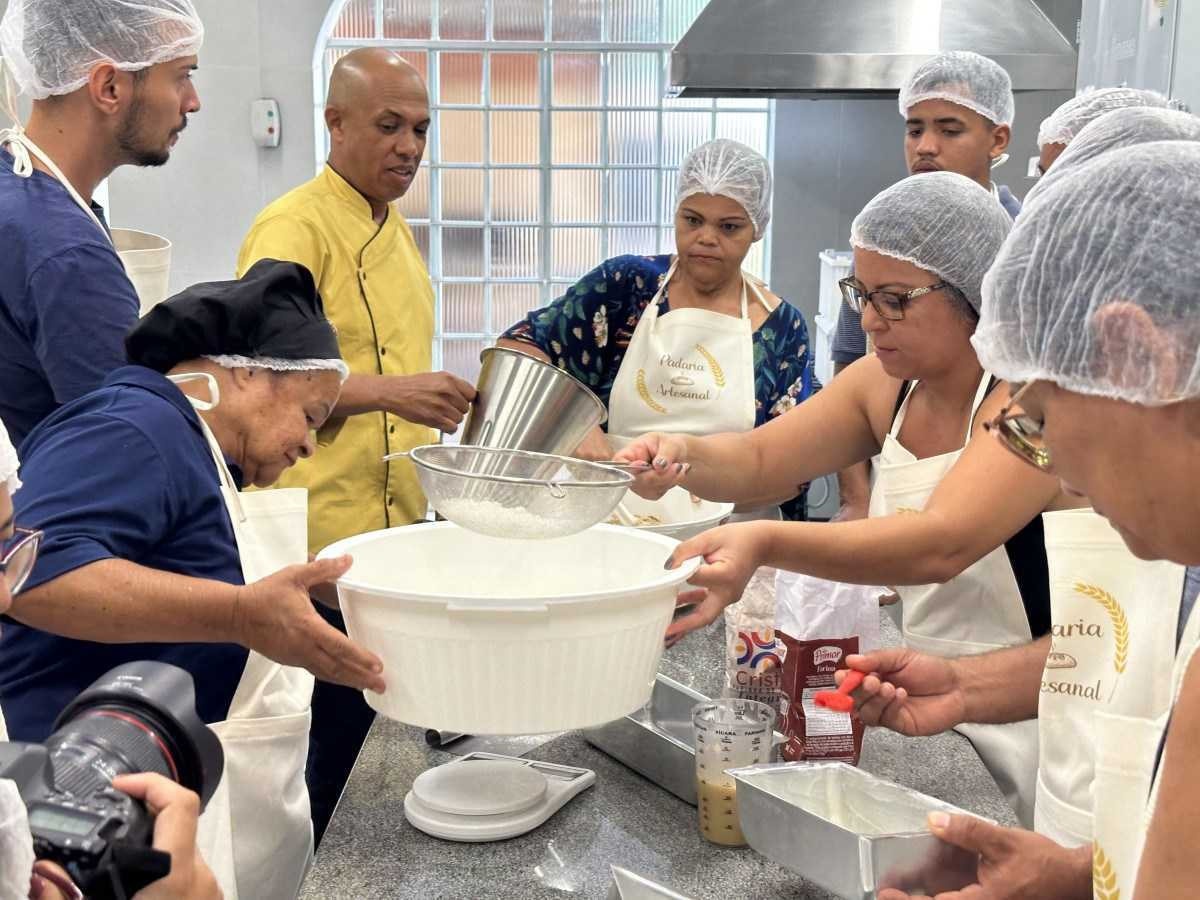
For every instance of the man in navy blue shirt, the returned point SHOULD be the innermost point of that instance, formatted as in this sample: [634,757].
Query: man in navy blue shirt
[111,87]
[958,111]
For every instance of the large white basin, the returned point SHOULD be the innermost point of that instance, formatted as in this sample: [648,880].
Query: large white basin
[488,635]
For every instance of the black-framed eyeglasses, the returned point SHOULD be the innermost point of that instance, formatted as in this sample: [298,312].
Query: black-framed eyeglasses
[17,557]
[888,304]
[1022,434]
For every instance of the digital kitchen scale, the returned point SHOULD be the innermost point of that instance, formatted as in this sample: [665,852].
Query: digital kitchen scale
[485,797]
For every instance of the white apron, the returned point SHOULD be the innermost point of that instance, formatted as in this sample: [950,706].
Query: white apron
[256,832]
[690,372]
[1114,619]
[980,609]
[1126,786]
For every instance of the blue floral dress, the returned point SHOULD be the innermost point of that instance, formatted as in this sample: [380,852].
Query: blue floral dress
[587,330]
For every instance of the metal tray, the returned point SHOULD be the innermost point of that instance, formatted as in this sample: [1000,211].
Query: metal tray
[631,886]
[847,830]
[656,741]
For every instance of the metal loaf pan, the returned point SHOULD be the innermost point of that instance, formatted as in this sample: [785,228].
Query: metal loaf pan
[847,830]
[656,741]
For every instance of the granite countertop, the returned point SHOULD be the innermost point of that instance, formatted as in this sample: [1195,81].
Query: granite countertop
[370,850]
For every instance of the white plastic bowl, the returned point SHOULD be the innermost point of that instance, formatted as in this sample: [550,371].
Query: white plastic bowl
[489,635]
[681,517]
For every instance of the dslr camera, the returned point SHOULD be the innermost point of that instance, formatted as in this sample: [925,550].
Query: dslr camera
[140,717]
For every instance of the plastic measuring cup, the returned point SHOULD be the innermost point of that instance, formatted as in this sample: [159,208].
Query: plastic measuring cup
[730,733]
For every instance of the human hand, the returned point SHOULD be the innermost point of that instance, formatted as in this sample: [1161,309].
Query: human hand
[437,399]
[50,881]
[175,810]
[1014,864]
[665,455]
[732,554]
[595,447]
[908,692]
[275,616]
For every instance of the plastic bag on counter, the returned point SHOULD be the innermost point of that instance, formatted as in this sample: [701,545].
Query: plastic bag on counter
[753,658]
[805,605]
[819,623]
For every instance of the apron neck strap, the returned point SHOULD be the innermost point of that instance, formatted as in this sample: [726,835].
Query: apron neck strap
[981,393]
[223,473]
[21,147]
[224,476]
[747,282]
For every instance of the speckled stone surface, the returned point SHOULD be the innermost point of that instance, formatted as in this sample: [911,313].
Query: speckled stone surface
[370,851]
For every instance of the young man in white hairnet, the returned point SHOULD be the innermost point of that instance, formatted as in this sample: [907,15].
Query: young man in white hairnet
[958,113]
[1089,312]
[176,809]
[111,85]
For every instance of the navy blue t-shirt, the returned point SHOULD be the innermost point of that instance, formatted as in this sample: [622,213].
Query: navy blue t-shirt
[121,473]
[65,300]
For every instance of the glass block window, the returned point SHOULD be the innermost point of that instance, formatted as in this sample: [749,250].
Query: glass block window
[552,146]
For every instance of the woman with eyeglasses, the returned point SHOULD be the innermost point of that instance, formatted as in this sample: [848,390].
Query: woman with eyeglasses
[174,806]
[1098,328]
[954,519]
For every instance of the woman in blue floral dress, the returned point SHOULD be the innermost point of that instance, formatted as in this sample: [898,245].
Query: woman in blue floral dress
[684,342]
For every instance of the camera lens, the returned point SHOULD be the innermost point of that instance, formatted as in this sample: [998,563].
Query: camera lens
[140,717]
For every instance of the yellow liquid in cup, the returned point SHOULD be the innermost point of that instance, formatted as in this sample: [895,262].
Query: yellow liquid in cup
[717,804]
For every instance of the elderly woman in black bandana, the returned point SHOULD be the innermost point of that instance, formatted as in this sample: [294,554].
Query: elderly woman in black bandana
[152,552]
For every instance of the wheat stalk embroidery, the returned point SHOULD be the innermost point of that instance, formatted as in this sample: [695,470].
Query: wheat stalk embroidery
[717,372]
[644,393]
[1119,622]
[1104,878]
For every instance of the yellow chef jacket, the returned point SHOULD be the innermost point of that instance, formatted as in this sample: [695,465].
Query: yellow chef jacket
[378,295]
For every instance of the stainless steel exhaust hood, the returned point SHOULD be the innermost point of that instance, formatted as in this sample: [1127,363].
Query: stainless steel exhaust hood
[838,49]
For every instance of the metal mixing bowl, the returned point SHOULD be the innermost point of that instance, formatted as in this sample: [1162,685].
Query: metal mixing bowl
[524,403]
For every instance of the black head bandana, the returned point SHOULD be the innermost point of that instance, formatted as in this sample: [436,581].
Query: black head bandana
[273,312]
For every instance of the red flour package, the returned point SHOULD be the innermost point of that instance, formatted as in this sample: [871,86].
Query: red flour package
[815,733]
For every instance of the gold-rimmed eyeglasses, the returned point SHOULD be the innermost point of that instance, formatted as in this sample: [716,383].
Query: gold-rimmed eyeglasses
[888,304]
[1021,433]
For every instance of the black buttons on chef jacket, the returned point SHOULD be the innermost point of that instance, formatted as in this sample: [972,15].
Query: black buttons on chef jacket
[383,351]
[391,429]
[389,501]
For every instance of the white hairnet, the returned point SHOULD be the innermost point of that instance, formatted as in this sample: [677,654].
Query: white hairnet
[1096,289]
[1116,129]
[726,168]
[1062,125]
[8,462]
[16,843]
[51,46]
[941,222]
[965,78]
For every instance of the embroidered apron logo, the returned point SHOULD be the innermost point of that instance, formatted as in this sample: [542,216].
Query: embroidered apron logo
[644,393]
[1058,659]
[1104,878]
[1119,622]
[717,372]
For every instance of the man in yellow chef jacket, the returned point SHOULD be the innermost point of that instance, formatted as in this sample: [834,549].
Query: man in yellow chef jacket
[343,228]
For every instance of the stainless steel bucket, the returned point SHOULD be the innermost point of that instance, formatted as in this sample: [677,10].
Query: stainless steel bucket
[526,404]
